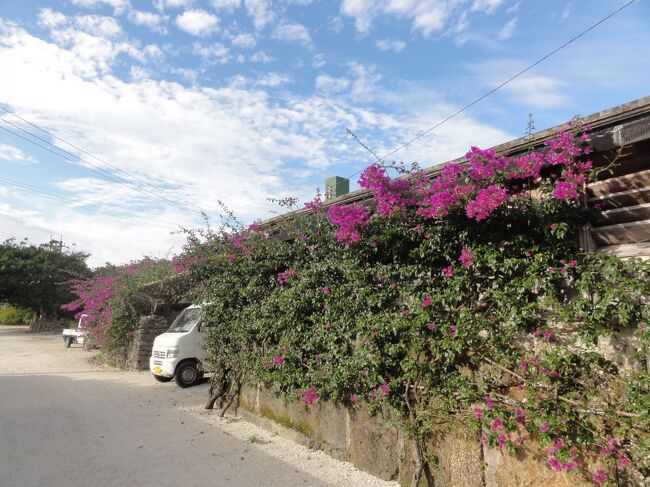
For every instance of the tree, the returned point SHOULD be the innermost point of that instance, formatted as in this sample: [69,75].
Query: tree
[37,277]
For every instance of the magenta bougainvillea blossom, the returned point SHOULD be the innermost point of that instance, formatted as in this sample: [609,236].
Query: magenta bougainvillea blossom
[487,182]
[310,396]
[486,201]
[390,194]
[466,257]
[93,296]
[600,477]
[285,277]
[350,220]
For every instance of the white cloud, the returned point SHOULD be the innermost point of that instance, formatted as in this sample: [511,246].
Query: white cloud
[244,40]
[328,83]
[531,90]
[11,153]
[394,45]
[98,25]
[153,51]
[514,8]
[273,80]
[163,4]
[426,16]
[190,75]
[225,4]
[260,12]
[139,73]
[91,54]
[363,12]
[119,6]
[292,32]
[566,13]
[261,57]
[197,22]
[233,142]
[149,19]
[214,52]
[488,6]
[318,61]
[508,30]
[48,18]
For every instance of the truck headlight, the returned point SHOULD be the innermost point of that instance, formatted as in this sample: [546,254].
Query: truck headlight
[172,352]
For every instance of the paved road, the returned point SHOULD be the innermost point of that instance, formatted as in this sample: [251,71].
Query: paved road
[66,423]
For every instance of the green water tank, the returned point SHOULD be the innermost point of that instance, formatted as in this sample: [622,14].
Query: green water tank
[336,186]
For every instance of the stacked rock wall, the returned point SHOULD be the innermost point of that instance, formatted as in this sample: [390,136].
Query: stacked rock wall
[149,328]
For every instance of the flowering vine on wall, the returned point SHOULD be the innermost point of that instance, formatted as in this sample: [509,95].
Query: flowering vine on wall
[459,300]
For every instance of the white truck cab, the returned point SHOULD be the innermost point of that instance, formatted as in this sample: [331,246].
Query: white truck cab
[75,335]
[178,353]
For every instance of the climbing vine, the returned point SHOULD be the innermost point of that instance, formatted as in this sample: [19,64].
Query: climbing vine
[462,300]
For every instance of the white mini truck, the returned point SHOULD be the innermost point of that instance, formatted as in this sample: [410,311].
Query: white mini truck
[178,353]
[75,335]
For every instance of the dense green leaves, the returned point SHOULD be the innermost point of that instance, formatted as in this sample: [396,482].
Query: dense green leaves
[397,319]
[37,277]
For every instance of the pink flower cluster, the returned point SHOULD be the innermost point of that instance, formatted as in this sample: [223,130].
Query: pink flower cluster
[315,205]
[562,466]
[93,295]
[466,257]
[487,182]
[285,277]
[600,477]
[388,193]
[180,263]
[486,201]
[611,448]
[350,220]
[309,396]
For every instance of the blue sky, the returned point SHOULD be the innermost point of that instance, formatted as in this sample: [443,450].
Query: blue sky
[244,100]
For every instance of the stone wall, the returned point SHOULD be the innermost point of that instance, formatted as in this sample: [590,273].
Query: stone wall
[50,325]
[374,446]
[139,352]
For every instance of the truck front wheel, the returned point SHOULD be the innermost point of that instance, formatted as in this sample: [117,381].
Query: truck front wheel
[187,374]
[67,341]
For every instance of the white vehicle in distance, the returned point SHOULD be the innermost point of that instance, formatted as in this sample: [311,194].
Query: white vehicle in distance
[178,353]
[75,335]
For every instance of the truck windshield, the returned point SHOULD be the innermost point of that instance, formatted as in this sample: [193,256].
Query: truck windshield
[185,321]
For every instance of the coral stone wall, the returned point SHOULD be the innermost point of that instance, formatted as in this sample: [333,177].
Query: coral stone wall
[149,328]
[376,447]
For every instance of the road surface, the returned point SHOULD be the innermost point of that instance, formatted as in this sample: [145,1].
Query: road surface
[65,422]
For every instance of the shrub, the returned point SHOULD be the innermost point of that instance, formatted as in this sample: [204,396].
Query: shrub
[445,305]
[10,315]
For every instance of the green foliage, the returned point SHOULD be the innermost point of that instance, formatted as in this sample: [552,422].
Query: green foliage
[380,320]
[12,316]
[38,277]
[133,295]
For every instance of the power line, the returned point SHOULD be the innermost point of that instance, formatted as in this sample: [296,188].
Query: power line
[108,175]
[61,196]
[90,166]
[45,194]
[97,169]
[512,78]
[92,155]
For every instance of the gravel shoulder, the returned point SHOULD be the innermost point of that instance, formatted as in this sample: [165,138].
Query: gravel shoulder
[67,421]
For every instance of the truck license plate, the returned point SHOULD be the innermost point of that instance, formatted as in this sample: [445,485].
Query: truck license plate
[157,370]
